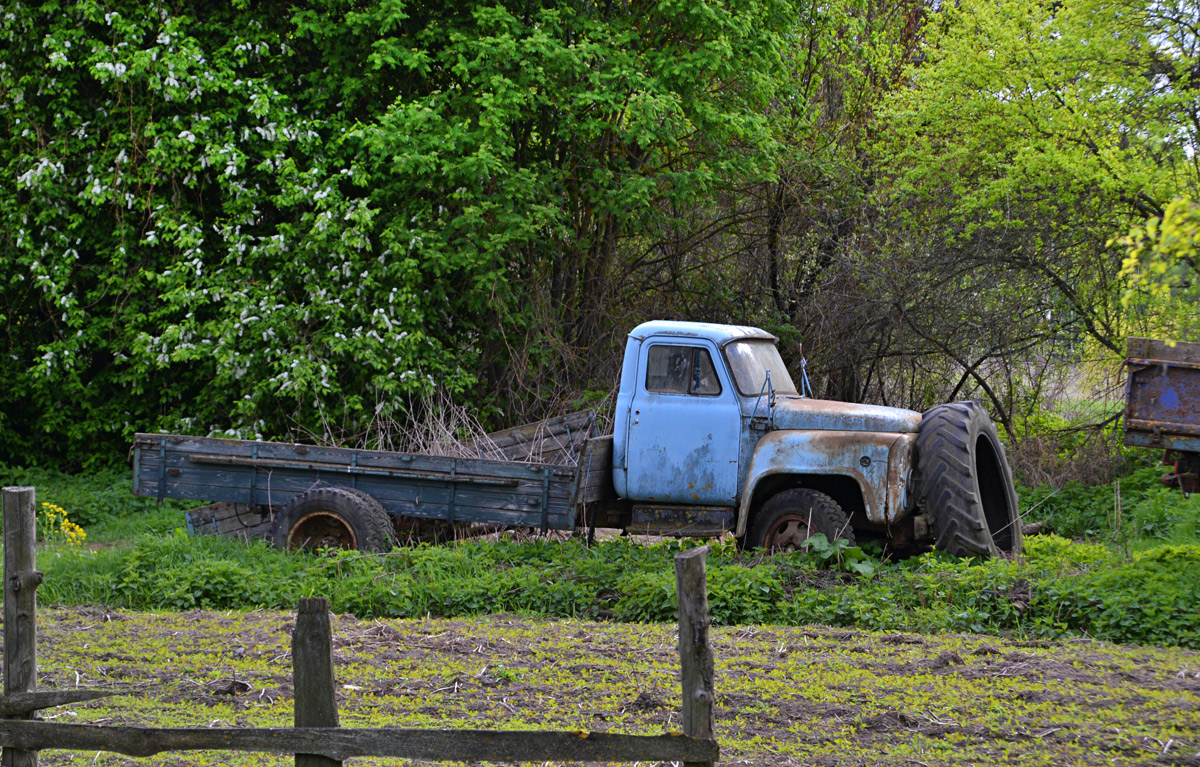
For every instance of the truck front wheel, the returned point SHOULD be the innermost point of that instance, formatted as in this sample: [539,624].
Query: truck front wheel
[332,517]
[966,484]
[791,517]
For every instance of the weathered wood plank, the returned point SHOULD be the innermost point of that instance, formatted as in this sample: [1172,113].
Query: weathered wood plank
[468,506]
[695,653]
[561,427]
[281,486]
[230,519]
[555,440]
[20,703]
[148,446]
[21,580]
[300,477]
[344,743]
[595,471]
[312,674]
[555,521]
[241,472]
[560,517]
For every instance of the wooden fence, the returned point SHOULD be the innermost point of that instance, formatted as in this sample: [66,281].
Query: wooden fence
[316,739]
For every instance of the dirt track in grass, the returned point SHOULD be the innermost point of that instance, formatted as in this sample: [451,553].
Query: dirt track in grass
[785,696]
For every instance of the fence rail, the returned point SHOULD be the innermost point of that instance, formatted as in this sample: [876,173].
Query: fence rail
[339,743]
[316,740]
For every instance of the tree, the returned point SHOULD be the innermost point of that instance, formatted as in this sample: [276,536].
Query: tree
[1162,271]
[231,219]
[1027,135]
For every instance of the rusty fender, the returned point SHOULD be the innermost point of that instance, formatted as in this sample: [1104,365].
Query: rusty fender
[880,462]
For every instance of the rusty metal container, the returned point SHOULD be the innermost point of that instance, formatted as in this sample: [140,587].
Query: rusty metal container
[1162,404]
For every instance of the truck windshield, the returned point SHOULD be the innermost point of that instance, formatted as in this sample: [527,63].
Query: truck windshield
[750,361]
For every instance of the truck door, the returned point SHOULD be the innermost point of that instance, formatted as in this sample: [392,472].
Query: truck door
[684,426]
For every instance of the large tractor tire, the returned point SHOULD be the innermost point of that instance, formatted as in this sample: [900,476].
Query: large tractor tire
[333,517]
[791,517]
[966,484]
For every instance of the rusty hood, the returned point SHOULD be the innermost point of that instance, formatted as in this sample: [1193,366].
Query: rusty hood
[829,415]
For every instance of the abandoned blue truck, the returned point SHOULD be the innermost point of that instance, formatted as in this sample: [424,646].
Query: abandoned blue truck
[710,436]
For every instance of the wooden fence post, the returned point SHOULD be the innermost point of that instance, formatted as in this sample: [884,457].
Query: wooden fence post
[21,580]
[312,673]
[695,655]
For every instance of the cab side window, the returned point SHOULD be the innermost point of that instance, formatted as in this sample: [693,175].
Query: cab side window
[681,370]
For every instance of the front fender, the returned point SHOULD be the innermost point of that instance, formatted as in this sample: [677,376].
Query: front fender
[860,455]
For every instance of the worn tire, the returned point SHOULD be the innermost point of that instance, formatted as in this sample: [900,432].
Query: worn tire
[790,517]
[333,517]
[966,484]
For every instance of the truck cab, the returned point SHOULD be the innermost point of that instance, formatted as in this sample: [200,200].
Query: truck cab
[711,433]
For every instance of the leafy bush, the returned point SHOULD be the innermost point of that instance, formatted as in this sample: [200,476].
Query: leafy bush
[740,594]
[1063,588]
[647,597]
[294,218]
[1154,599]
[1135,507]
[1073,510]
[1055,555]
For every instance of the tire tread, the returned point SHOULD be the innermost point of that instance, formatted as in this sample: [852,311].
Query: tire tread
[947,460]
[364,513]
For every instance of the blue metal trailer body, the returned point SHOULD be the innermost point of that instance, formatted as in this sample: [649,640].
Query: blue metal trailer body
[1162,405]
[1162,397]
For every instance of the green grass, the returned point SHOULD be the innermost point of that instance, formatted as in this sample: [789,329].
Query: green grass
[1135,513]
[1136,588]
[101,501]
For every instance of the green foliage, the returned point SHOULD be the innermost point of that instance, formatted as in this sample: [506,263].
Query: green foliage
[1074,510]
[1154,599]
[89,499]
[1055,555]
[740,594]
[840,555]
[1021,94]
[145,561]
[1063,589]
[1162,270]
[1027,136]
[646,597]
[254,220]
[1144,510]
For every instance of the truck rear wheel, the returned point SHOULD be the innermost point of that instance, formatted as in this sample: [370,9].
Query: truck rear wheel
[791,517]
[966,484]
[332,517]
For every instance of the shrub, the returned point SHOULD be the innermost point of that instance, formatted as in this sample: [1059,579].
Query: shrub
[1153,599]
[1061,588]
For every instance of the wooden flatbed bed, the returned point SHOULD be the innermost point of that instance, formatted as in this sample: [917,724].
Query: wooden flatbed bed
[248,482]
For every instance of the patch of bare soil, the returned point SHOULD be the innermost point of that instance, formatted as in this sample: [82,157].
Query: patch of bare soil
[785,696]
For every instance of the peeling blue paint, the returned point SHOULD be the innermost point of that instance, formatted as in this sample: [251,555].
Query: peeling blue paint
[713,449]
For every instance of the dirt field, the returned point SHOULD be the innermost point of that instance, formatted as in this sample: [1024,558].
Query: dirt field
[785,696]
